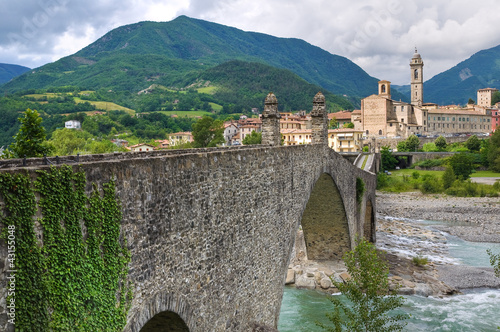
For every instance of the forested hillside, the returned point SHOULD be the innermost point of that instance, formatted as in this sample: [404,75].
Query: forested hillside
[8,72]
[174,53]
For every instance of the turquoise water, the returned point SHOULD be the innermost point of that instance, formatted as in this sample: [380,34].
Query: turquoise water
[477,310]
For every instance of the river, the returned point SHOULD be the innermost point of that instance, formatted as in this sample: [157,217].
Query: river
[475,310]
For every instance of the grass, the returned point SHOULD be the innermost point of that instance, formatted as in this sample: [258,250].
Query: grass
[409,172]
[208,90]
[420,261]
[478,174]
[41,95]
[106,105]
[485,174]
[216,107]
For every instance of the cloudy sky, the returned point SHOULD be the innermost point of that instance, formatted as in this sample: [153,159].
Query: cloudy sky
[378,35]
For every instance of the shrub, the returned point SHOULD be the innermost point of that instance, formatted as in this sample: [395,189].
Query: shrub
[448,178]
[430,185]
[415,175]
[420,261]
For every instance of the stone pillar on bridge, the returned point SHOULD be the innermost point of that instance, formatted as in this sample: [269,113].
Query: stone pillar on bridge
[271,121]
[319,120]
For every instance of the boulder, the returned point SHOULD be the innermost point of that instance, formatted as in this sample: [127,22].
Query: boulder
[303,281]
[290,277]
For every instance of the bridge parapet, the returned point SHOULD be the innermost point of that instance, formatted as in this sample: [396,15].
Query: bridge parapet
[211,231]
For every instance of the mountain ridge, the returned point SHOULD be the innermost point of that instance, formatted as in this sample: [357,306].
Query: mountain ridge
[9,71]
[197,45]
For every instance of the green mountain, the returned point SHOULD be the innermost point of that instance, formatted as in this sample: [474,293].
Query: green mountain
[248,83]
[458,84]
[174,53]
[8,72]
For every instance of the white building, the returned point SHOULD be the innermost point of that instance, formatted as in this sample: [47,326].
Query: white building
[72,124]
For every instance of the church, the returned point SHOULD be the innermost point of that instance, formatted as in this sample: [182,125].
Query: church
[382,116]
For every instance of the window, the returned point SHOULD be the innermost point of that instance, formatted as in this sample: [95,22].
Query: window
[415,74]
[380,132]
[382,88]
[402,120]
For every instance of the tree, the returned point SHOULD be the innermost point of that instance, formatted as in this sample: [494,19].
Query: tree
[462,165]
[441,143]
[494,152]
[471,101]
[208,132]
[333,124]
[368,291]
[473,143]
[412,143]
[253,138]
[448,177]
[388,161]
[349,125]
[495,98]
[29,141]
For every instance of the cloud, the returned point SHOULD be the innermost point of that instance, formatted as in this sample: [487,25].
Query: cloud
[378,35]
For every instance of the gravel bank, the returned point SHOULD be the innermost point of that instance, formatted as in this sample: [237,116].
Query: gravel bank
[475,219]
[472,219]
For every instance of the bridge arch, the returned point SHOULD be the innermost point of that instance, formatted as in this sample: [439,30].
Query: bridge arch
[324,221]
[164,312]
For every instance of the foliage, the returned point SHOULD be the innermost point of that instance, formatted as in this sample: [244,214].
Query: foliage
[368,291]
[448,177]
[420,261]
[495,262]
[333,123]
[494,152]
[388,161]
[409,145]
[430,147]
[429,163]
[473,143]
[208,132]
[441,143]
[29,141]
[71,282]
[360,190]
[430,185]
[177,53]
[349,125]
[495,98]
[462,165]
[253,138]
[366,148]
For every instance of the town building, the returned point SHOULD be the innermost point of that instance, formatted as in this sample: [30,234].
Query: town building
[72,124]
[485,97]
[180,138]
[345,140]
[383,117]
[141,147]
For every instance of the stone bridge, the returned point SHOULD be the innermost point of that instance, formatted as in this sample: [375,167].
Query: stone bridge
[211,231]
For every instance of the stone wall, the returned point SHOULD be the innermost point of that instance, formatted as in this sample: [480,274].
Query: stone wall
[211,231]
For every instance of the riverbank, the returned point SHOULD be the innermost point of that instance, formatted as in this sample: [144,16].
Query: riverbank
[475,219]
[472,219]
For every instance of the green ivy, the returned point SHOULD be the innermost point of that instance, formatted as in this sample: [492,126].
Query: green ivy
[72,282]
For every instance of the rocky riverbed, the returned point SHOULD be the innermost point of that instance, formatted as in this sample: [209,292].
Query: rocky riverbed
[472,219]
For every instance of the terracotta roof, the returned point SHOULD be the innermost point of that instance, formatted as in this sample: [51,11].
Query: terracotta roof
[344,130]
[343,115]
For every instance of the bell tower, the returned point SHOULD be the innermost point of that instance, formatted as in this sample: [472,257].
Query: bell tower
[417,79]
